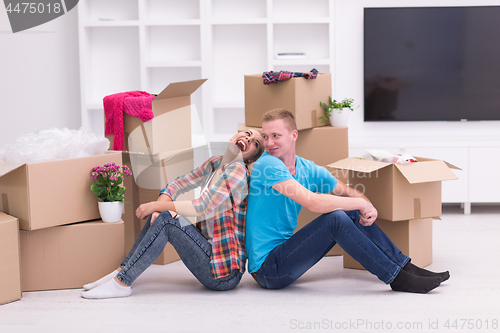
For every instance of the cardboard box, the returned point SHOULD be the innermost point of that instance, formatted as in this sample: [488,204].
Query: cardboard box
[172,119]
[323,146]
[10,287]
[298,95]
[70,256]
[307,216]
[399,191]
[151,174]
[48,194]
[412,237]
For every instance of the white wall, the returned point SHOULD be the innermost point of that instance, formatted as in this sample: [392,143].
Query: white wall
[348,80]
[39,76]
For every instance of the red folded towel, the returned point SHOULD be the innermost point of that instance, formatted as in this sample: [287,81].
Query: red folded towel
[113,110]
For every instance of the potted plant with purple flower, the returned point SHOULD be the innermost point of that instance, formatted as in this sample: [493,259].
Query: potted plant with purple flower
[108,186]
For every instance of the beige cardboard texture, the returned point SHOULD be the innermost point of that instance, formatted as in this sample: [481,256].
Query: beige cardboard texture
[10,286]
[399,192]
[323,145]
[298,95]
[412,237]
[165,132]
[151,174]
[155,171]
[48,194]
[176,98]
[70,256]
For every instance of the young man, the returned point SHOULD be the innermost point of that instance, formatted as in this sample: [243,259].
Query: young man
[281,184]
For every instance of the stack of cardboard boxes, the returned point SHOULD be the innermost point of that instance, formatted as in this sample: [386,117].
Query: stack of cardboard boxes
[50,233]
[157,152]
[317,141]
[407,198]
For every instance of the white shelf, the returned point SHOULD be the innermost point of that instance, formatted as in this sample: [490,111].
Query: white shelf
[93,10]
[174,63]
[111,23]
[233,21]
[298,10]
[312,62]
[302,20]
[171,10]
[147,44]
[222,10]
[172,23]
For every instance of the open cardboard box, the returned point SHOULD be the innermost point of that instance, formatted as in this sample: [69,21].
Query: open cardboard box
[298,95]
[70,256]
[151,174]
[412,237]
[53,193]
[399,191]
[10,287]
[165,133]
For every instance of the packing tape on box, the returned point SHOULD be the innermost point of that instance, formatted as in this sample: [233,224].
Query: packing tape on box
[417,208]
[314,119]
[5,203]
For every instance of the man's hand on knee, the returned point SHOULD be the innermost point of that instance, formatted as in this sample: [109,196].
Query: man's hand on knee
[368,215]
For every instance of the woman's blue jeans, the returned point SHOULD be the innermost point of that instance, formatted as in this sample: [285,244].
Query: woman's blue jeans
[193,249]
[368,245]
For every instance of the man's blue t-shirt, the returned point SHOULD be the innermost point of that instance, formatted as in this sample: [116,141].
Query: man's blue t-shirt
[271,216]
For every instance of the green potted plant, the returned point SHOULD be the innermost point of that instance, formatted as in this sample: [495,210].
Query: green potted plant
[337,112]
[110,192]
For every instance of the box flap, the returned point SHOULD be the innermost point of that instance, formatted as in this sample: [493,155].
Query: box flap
[178,89]
[426,171]
[451,166]
[6,218]
[357,164]
[5,168]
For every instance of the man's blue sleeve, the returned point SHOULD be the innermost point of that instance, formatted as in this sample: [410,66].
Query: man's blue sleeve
[325,181]
[270,170]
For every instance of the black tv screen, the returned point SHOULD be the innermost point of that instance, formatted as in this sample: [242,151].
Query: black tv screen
[432,63]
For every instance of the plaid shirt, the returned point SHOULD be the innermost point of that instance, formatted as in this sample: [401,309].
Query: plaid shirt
[227,200]
[275,77]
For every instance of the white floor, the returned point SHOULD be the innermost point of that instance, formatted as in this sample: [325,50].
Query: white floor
[327,298]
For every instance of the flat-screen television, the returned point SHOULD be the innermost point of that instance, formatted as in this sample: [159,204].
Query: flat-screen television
[432,63]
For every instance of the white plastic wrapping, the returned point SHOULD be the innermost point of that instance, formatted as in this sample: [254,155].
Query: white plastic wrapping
[384,156]
[53,144]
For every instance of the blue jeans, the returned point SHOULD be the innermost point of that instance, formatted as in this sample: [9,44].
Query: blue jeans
[368,245]
[193,249]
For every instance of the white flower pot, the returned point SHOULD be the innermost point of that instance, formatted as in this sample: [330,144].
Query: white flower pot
[340,117]
[111,211]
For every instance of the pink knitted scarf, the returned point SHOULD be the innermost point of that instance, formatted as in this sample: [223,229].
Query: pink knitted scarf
[133,103]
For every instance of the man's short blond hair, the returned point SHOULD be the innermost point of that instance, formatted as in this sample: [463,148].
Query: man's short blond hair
[286,115]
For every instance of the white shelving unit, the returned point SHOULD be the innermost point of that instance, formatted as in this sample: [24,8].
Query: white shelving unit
[147,44]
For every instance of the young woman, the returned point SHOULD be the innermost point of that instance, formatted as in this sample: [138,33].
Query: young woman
[213,249]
